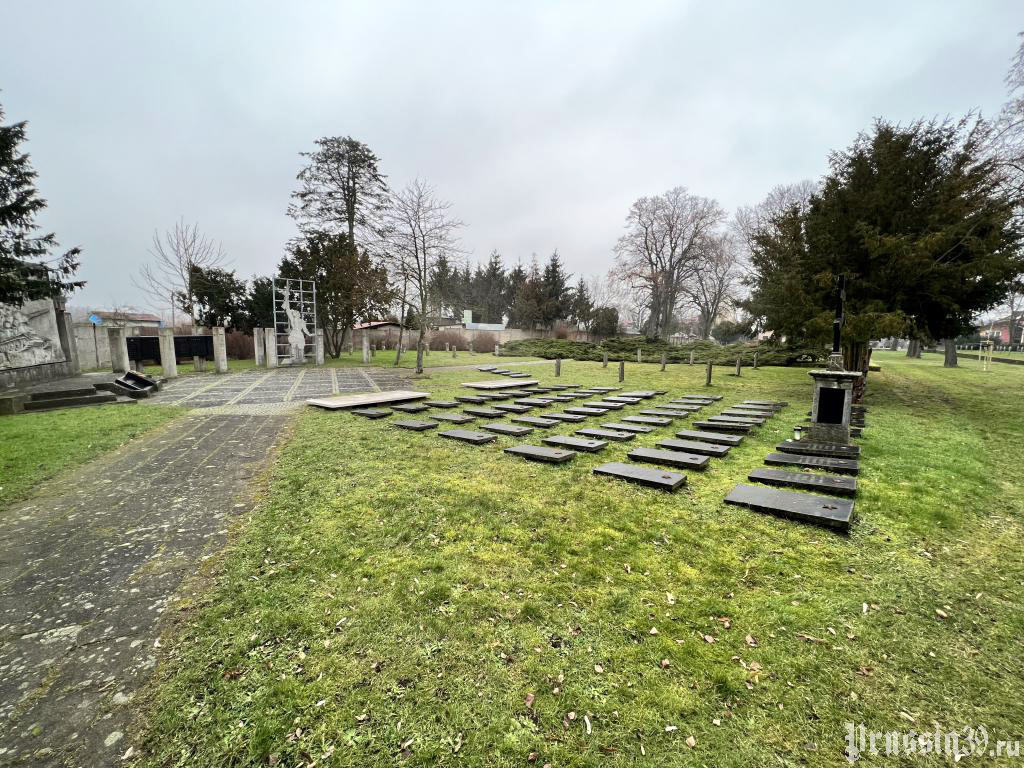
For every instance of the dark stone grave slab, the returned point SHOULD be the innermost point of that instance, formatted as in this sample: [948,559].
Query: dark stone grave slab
[652,478]
[831,512]
[806,448]
[606,434]
[542,453]
[624,400]
[497,384]
[575,443]
[604,404]
[840,485]
[415,424]
[364,399]
[590,391]
[654,421]
[562,398]
[695,446]
[372,413]
[750,422]
[586,411]
[410,408]
[494,396]
[468,436]
[715,398]
[763,415]
[507,429]
[454,418]
[534,402]
[671,458]
[755,408]
[512,408]
[676,405]
[668,413]
[709,437]
[842,466]
[501,372]
[607,389]
[487,367]
[470,399]
[721,426]
[535,421]
[487,413]
[573,418]
[542,389]
[442,403]
[635,428]
[519,375]
[646,393]
[517,393]
[558,387]
[777,404]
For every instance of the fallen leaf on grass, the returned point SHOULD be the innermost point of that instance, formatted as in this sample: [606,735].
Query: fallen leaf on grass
[751,641]
[708,638]
[691,742]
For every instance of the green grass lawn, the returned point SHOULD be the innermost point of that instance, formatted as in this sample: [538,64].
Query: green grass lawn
[399,599]
[35,447]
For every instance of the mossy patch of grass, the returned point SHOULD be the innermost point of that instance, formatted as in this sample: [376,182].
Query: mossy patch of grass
[402,599]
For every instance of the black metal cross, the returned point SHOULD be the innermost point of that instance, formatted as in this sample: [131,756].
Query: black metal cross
[837,324]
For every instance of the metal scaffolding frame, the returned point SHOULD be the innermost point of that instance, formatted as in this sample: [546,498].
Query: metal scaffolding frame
[294,313]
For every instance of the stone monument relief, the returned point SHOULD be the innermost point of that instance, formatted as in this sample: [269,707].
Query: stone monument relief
[28,335]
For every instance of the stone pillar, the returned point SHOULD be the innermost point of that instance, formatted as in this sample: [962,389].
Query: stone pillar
[66,332]
[270,340]
[259,345]
[707,377]
[622,370]
[168,362]
[220,350]
[738,366]
[558,366]
[664,359]
[639,355]
[691,357]
[604,359]
[318,347]
[755,359]
[366,348]
[118,339]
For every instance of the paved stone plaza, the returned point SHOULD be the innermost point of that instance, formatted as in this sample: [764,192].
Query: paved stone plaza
[272,391]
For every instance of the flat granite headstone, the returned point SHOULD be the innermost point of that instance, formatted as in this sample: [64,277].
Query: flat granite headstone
[709,437]
[715,398]
[372,413]
[695,446]
[586,411]
[468,436]
[806,448]
[415,424]
[607,389]
[652,478]
[834,513]
[750,421]
[535,421]
[558,387]
[840,485]
[635,428]
[642,394]
[442,403]
[666,413]
[655,421]
[454,418]
[500,383]
[842,466]
[487,413]
[542,389]
[589,391]
[755,408]
[675,405]
[671,458]
[541,453]
[561,398]
[491,397]
[604,404]
[516,392]
[573,418]
[512,408]
[575,443]
[518,375]
[534,402]
[606,434]
[409,408]
[771,403]
[722,426]
[507,429]
[487,367]
[341,402]
[763,415]
[469,399]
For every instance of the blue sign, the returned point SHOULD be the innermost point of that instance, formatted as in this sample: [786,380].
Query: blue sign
[95,319]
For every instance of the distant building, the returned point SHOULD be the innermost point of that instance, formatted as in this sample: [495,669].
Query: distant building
[999,331]
[138,319]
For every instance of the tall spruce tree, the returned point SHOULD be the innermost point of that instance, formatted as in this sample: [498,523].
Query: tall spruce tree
[555,292]
[27,269]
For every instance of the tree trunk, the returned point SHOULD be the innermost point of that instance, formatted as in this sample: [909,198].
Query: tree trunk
[419,348]
[857,357]
[914,348]
[950,349]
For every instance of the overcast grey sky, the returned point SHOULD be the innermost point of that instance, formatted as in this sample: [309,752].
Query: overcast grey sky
[540,121]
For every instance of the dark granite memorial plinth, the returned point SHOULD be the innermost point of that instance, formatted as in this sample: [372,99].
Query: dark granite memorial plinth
[512,408]
[624,400]
[485,413]
[442,403]
[409,408]
[572,418]
[586,411]
[723,426]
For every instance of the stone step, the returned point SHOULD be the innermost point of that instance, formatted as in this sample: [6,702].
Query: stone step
[822,510]
[61,394]
[96,398]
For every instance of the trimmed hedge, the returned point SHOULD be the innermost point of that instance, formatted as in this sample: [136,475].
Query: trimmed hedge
[651,350]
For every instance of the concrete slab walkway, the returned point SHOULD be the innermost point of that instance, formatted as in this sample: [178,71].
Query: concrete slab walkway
[86,572]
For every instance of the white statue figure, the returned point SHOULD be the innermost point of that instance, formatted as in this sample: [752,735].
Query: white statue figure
[297,330]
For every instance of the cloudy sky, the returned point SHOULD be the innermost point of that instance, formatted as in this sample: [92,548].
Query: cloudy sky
[540,121]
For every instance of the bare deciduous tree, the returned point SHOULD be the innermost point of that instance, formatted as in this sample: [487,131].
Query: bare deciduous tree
[711,288]
[418,230]
[751,219]
[177,256]
[658,252]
